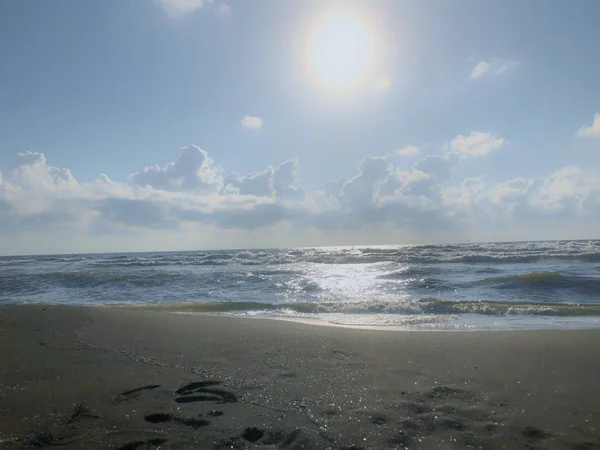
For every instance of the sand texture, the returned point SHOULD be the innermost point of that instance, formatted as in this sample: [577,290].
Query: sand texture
[125,379]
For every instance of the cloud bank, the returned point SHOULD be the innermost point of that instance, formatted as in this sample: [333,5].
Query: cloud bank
[188,202]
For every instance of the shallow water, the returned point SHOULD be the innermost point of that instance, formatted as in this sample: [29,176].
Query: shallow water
[471,286]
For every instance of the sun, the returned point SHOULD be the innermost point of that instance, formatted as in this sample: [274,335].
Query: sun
[342,51]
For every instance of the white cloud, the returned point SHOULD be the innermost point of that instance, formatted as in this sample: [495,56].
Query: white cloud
[192,170]
[510,190]
[251,122]
[495,67]
[409,150]
[178,8]
[568,189]
[163,206]
[593,131]
[223,9]
[423,184]
[569,194]
[33,173]
[477,144]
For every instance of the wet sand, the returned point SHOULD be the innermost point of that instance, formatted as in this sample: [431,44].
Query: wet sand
[123,379]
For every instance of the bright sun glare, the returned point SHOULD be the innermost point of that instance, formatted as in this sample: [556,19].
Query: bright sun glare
[342,51]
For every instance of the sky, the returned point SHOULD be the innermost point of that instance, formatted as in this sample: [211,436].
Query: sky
[152,125]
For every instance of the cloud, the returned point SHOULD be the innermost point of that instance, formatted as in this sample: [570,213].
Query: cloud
[492,68]
[422,185]
[477,144]
[360,191]
[253,123]
[438,167]
[284,179]
[258,216]
[178,8]
[570,189]
[223,9]
[508,191]
[191,171]
[409,150]
[569,194]
[136,213]
[186,201]
[278,182]
[33,172]
[258,184]
[593,131]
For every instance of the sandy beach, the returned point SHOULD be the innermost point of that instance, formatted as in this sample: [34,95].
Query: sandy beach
[127,379]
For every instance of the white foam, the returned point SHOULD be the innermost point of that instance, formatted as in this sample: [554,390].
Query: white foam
[428,322]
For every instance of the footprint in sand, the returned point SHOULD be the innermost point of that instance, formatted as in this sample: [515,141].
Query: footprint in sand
[137,445]
[204,391]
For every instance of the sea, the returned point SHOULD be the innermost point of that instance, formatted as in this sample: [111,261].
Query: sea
[485,286]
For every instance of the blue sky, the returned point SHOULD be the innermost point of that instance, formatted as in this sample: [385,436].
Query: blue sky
[182,124]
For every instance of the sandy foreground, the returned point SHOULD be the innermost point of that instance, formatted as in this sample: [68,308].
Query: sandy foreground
[125,379]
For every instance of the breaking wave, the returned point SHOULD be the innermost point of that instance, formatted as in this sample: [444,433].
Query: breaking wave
[491,253]
[521,281]
[546,280]
[422,306]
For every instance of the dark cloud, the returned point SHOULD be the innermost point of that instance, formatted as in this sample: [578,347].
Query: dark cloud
[429,175]
[258,184]
[334,187]
[11,221]
[137,213]
[284,179]
[261,215]
[358,193]
[419,213]
[278,181]
[438,168]
[257,216]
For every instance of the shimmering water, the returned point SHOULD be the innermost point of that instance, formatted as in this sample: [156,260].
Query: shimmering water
[495,285]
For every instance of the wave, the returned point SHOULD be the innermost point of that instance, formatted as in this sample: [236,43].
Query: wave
[407,272]
[395,256]
[567,272]
[154,284]
[546,280]
[426,305]
[492,253]
[17,262]
[84,279]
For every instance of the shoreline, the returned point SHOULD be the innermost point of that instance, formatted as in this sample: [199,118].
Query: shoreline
[562,317]
[84,377]
[579,324]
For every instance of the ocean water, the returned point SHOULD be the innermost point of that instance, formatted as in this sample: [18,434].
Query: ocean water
[522,285]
